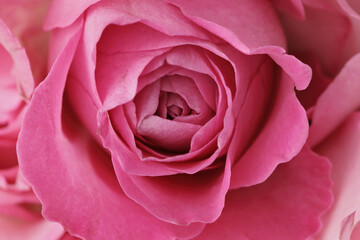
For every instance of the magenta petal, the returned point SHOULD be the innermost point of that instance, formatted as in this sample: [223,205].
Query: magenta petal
[281,138]
[329,110]
[342,149]
[287,206]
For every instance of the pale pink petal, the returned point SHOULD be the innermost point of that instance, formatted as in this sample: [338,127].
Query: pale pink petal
[17,229]
[342,149]
[25,19]
[286,206]
[18,66]
[56,16]
[337,102]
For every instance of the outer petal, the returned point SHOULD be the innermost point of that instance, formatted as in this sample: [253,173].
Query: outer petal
[337,102]
[246,32]
[245,21]
[286,206]
[342,148]
[281,138]
[75,171]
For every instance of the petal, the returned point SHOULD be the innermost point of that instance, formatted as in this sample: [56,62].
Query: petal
[342,149]
[241,23]
[281,138]
[286,206]
[147,101]
[167,134]
[294,8]
[252,115]
[180,199]
[351,7]
[25,19]
[57,18]
[329,111]
[328,44]
[57,158]
[15,229]
[356,232]
[20,68]
[170,198]
[117,76]
[317,86]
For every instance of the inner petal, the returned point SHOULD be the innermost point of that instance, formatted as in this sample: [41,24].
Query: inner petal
[177,106]
[166,134]
[174,111]
[187,89]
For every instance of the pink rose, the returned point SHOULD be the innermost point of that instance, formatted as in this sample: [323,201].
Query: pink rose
[20,216]
[333,102]
[154,111]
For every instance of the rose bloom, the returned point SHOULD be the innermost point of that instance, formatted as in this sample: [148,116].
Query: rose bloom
[154,111]
[20,210]
[332,101]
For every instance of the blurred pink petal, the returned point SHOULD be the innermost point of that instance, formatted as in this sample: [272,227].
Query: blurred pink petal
[342,149]
[337,101]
